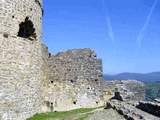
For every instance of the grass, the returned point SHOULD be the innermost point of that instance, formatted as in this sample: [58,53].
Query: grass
[79,113]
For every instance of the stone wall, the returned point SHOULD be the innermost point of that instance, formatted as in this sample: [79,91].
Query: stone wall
[75,67]
[21,77]
[74,79]
[14,12]
[23,59]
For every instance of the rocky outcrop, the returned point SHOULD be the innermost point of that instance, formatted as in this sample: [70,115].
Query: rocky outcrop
[157,100]
[129,111]
[150,107]
[107,114]
[128,90]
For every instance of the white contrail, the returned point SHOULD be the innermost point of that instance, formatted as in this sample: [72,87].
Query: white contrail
[108,22]
[110,29]
[146,23]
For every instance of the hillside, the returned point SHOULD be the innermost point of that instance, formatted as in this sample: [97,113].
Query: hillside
[149,77]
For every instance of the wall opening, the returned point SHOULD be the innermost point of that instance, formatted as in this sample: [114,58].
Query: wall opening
[52,81]
[71,81]
[26,29]
[49,55]
[96,80]
[74,102]
[51,107]
[5,35]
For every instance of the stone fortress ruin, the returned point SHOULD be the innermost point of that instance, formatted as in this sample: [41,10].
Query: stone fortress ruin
[31,79]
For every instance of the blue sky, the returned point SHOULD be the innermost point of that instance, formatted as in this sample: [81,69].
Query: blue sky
[124,33]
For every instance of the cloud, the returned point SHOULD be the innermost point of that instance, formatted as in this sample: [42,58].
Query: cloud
[108,22]
[145,25]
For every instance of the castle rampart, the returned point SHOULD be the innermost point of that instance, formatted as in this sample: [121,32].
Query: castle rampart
[21,76]
[74,80]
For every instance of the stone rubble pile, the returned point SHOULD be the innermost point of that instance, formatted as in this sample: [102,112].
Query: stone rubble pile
[150,107]
[129,111]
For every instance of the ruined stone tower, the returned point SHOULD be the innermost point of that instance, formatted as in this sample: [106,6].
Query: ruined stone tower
[31,79]
[21,58]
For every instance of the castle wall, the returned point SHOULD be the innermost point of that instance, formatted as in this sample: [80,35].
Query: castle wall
[21,78]
[45,67]
[23,60]
[13,12]
[74,79]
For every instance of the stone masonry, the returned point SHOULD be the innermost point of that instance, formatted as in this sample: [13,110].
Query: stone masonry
[21,59]
[31,80]
[14,12]
[74,79]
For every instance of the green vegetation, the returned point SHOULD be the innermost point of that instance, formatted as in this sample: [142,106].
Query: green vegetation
[152,90]
[77,114]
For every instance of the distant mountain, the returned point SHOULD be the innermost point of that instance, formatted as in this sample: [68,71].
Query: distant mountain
[149,77]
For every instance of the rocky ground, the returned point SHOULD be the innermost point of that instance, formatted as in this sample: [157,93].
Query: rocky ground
[119,110]
[106,114]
